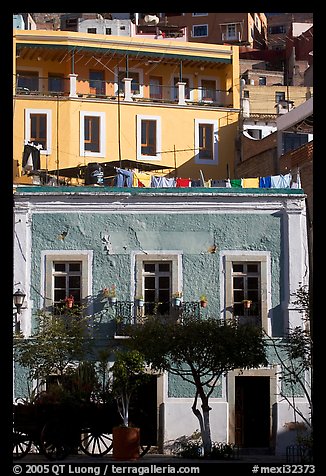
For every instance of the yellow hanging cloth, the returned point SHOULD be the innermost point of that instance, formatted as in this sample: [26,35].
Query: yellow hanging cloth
[250,182]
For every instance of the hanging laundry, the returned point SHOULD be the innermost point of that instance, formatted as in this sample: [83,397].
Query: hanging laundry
[196,183]
[250,182]
[281,181]
[123,178]
[236,182]
[265,182]
[31,156]
[144,179]
[296,181]
[218,183]
[208,183]
[183,182]
[162,182]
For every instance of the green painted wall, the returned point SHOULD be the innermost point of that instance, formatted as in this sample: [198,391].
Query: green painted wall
[193,234]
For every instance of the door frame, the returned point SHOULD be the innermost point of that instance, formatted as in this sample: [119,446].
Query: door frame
[271,373]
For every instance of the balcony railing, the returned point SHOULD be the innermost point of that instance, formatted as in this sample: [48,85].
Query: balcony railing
[128,313]
[107,90]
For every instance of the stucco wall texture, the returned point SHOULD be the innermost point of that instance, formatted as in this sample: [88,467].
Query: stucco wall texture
[192,234]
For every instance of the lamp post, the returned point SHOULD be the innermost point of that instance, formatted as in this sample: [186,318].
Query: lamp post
[19,297]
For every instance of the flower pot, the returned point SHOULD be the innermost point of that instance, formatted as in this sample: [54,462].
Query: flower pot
[126,443]
[203,303]
[247,304]
[177,302]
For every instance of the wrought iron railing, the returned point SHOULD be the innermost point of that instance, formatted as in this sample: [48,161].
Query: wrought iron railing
[127,313]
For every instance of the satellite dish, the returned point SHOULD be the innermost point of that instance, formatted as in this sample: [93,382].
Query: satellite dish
[151,19]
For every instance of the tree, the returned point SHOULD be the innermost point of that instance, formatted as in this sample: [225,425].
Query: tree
[200,352]
[56,344]
[295,357]
[128,373]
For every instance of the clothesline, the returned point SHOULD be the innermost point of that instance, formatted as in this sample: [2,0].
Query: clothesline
[129,178]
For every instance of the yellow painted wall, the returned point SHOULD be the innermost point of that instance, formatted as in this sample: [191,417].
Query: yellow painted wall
[177,125]
[177,122]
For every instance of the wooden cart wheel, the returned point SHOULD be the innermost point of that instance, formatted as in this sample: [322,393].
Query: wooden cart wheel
[21,444]
[54,441]
[95,443]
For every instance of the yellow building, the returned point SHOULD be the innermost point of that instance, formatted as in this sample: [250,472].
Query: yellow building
[104,99]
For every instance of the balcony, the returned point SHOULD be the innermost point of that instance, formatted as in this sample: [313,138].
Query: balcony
[128,313]
[107,91]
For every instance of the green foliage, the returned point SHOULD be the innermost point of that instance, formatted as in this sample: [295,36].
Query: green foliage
[128,373]
[58,341]
[192,447]
[210,347]
[200,351]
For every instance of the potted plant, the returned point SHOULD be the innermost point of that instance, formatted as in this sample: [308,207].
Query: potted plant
[203,300]
[110,293]
[128,373]
[176,298]
[69,300]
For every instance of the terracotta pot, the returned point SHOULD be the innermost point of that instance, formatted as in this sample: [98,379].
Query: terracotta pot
[203,303]
[126,443]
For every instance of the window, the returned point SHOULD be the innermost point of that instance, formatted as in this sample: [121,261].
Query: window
[208,90]
[92,134]
[157,286]
[246,93]
[246,289]
[155,87]
[66,273]
[262,81]
[292,141]
[91,30]
[199,14]
[55,82]
[206,141]
[38,129]
[28,80]
[157,277]
[97,82]
[255,133]
[276,29]
[247,284]
[91,131]
[148,137]
[38,125]
[108,31]
[66,282]
[279,96]
[199,30]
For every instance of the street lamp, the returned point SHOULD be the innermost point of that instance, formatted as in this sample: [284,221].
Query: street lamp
[19,297]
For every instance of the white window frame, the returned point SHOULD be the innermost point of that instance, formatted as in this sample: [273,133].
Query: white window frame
[214,161]
[141,81]
[87,153]
[199,36]
[48,114]
[47,259]
[139,119]
[263,258]
[137,260]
